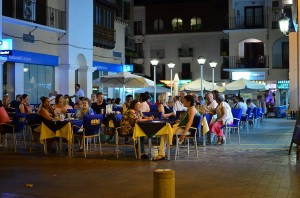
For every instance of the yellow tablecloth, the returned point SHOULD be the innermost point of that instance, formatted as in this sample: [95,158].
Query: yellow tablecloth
[64,132]
[166,130]
[205,127]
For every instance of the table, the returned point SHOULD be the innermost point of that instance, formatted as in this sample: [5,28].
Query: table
[153,128]
[62,129]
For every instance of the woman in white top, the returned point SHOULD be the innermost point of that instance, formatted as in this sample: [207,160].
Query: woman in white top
[144,107]
[224,115]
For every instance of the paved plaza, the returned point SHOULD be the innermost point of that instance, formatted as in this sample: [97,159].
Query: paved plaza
[259,167]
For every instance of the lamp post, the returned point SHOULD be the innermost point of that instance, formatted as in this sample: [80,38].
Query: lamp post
[213,64]
[201,60]
[171,65]
[154,62]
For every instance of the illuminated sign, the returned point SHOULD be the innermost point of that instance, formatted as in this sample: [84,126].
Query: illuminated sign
[283,84]
[127,68]
[6,47]
[248,75]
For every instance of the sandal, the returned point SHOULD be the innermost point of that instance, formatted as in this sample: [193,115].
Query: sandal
[158,157]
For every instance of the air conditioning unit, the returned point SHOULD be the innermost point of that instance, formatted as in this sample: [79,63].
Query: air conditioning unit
[29,7]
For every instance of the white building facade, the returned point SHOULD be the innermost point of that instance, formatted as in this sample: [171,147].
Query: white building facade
[59,43]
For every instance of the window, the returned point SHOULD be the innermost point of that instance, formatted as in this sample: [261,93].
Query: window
[139,50]
[177,24]
[158,25]
[103,16]
[196,23]
[186,71]
[38,81]
[254,17]
[138,27]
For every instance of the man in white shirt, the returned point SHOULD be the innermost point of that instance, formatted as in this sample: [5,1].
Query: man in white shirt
[78,92]
[177,105]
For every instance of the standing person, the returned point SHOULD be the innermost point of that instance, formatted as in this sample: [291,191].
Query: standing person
[99,104]
[78,93]
[16,103]
[126,104]
[224,115]
[24,106]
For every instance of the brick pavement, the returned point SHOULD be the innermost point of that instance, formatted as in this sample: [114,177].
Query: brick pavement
[259,167]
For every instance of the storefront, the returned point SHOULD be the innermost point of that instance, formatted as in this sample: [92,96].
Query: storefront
[29,73]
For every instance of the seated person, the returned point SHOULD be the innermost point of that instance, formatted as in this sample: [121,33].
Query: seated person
[164,108]
[78,105]
[186,121]
[144,107]
[4,118]
[24,105]
[224,114]
[99,104]
[46,113]
[84,110]
[130,118]
[58,106]
[66,103]
[210,104]
[15,103]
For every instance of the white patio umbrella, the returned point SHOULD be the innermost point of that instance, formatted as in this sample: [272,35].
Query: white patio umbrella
[151,90]
[176,82]
[245,85]
[196,86]
[125,80]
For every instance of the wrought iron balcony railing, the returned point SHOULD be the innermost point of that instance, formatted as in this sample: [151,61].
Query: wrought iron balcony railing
[280,61]
[35,12]
[239,62]
[244,22]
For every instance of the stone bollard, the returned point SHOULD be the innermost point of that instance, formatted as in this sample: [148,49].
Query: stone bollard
[163,183]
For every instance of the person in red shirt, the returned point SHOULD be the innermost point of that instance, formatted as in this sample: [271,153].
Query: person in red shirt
[4,118]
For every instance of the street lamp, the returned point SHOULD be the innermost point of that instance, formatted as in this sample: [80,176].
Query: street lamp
[213,64]
[171,65]
[154,62]
[201,60]
[284,23]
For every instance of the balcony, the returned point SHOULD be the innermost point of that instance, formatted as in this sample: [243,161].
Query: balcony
[280,61]
[158,53]
[129,43]
[243,22]
[185,52]
[238,62]
[104,37]
[35,13]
